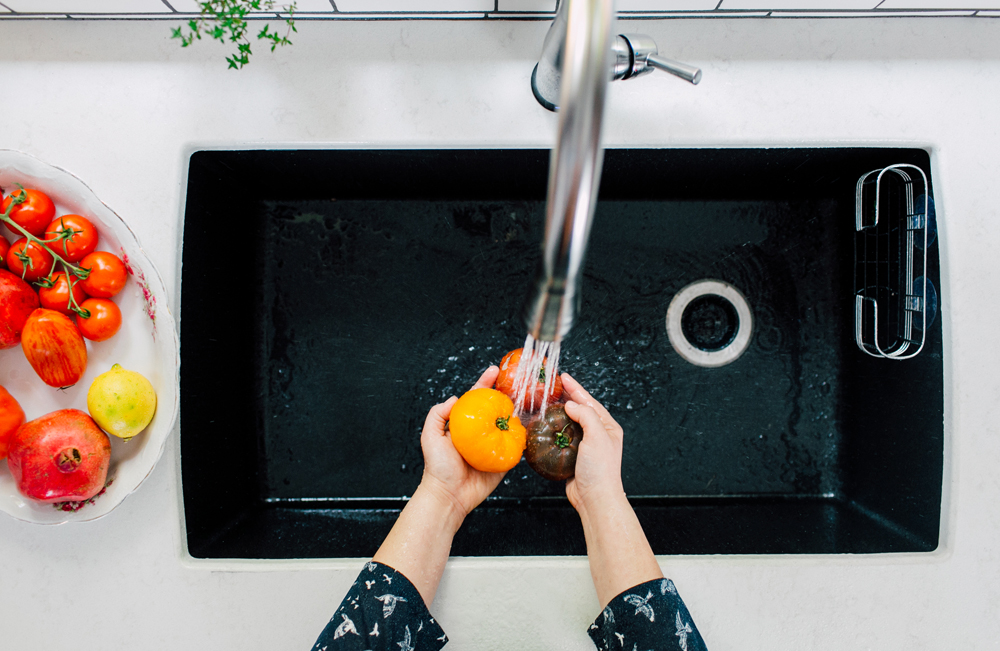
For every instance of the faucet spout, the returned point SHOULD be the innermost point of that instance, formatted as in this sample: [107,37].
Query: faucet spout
[577,55]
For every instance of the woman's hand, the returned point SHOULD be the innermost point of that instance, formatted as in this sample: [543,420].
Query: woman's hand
[598,475]
[620,556]
[446,474]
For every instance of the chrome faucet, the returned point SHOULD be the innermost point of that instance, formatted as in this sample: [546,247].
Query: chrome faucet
[579,58]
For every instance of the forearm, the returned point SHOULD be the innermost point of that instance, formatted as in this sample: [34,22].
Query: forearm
[420,542]
[620,556]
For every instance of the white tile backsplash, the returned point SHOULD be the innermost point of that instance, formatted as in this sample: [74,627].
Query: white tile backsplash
[414,5]
[87,6]
[301,6]
[527,5]
[804,5]
[464,9]
[667,5]
[940,4]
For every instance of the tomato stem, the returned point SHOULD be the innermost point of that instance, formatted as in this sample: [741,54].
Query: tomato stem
[503,424]
[562,440]
[67,267]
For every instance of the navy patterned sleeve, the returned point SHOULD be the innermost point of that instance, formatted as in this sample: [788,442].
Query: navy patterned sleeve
[382,611]
[650,616]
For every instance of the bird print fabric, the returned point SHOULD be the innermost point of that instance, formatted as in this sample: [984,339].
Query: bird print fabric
[648,617]
[381,612]
[384,612]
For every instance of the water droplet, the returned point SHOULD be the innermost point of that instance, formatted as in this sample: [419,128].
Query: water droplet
[506,482]
[403,467]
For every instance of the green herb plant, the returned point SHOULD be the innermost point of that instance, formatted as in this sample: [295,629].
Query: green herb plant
[226,20]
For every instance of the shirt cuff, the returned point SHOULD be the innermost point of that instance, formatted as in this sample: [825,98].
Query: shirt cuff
[650,615]
[382,610]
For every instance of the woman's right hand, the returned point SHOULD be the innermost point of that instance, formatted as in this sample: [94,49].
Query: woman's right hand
[598,477]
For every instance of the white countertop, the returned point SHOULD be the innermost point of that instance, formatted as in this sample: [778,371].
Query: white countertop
[121,105]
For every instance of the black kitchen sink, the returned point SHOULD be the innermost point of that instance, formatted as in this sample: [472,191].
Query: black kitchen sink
[330,298]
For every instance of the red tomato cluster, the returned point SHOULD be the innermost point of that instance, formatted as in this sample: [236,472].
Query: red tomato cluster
[73,286]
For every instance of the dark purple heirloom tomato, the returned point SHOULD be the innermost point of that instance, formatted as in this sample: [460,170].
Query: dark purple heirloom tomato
[553,441]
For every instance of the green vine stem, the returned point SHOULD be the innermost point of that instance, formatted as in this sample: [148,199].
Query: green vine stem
[68,268]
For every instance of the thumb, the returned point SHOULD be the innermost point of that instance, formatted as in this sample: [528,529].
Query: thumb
[587,418]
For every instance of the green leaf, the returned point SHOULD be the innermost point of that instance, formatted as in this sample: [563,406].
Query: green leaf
[225,20]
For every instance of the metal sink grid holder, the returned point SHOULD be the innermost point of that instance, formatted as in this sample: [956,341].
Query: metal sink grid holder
[891,223]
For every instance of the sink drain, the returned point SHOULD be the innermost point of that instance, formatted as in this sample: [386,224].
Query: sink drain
[709,323]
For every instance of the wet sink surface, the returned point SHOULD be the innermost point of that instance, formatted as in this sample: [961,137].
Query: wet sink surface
[362,287]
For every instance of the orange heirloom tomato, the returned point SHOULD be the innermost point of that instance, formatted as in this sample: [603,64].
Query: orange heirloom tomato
[54,348]
[486,432]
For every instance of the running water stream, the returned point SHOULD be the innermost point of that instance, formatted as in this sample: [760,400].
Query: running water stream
[536,355]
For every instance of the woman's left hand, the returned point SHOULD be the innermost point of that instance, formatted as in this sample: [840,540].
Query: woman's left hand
[446,473]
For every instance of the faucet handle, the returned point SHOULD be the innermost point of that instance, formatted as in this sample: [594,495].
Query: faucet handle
[637,54]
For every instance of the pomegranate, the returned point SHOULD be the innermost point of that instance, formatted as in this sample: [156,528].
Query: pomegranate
[54,348]
[17,302]
[62,456]
[11,417]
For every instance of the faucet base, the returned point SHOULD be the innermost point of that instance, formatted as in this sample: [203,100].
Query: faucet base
[538,94]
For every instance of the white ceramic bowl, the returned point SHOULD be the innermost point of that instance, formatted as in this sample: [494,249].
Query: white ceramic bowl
[147,343]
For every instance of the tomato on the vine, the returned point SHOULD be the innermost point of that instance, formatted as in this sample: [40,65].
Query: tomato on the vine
[34,213]
[533,397]
[72,236]
[107,274]
[29,260]
[4,247]
[56,297]
[104,321]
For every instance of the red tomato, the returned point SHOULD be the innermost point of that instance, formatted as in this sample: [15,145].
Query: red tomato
[54,348]
[29,260]
[34,214]
[62,456]
[17,302]
[57,297]
[11,417]
[107,274]
[104,321]
[505,382]
[4,246]
[75,237]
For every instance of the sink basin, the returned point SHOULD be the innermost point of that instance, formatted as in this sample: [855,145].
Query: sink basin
[332,297]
